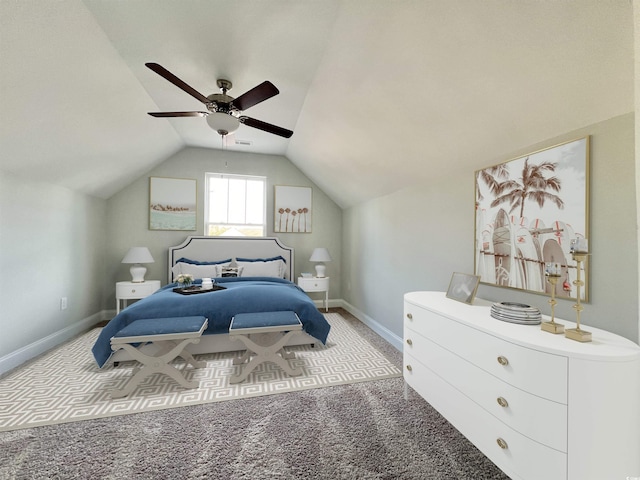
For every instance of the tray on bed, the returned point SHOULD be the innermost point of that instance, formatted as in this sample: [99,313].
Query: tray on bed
[195,289]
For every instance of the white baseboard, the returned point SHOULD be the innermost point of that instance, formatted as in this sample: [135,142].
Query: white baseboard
[26,353]
[381,330]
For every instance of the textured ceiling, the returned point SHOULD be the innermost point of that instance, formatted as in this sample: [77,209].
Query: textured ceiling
[380,94]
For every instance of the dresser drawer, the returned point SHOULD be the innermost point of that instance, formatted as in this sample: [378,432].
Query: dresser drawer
[539,373]
[522,458]
[540,419]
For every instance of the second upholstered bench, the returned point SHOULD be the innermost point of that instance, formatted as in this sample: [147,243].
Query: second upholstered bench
[269,332]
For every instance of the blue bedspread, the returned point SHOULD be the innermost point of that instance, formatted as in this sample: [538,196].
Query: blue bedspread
[242,295]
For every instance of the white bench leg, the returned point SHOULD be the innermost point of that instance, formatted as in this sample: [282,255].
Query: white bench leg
[271,352]
[159,363]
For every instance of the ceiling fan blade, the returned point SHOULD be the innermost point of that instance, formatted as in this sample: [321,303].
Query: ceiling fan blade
[256,95]
[178,114]
[167,75]
[267,127]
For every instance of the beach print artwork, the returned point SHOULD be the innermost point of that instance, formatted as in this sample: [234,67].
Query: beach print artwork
[292,209]
[528,211]
[172,203]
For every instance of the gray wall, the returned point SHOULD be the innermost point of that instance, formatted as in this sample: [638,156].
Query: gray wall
[415,238]
[52,243]
[128,217]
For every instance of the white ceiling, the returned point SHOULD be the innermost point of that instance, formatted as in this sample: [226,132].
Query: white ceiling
[381,94]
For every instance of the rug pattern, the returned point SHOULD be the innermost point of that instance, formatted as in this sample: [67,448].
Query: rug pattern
[66,385]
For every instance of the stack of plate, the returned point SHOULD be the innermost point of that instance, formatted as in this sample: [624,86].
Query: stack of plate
[516,313]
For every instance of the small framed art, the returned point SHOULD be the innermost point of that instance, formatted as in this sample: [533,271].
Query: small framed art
[463,287]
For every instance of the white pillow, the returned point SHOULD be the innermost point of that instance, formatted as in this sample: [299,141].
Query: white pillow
[273,268]
[198,271]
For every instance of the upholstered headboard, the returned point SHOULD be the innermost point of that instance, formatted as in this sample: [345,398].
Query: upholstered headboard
[221,248]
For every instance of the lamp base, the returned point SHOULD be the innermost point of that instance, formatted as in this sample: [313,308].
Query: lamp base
[578,335]
[137,273]
[320,270]
[552,327]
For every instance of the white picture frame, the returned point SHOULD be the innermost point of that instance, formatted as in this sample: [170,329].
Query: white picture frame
[292,209]
[172,203]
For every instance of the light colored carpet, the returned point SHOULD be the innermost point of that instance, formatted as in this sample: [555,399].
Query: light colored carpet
[66,385]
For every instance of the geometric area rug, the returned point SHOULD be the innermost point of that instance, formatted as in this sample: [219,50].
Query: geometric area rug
[65,385]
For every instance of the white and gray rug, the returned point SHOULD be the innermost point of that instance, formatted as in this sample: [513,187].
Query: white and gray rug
[66,385]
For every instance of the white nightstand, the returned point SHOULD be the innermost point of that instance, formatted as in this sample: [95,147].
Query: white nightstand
[134,291]
[316,284]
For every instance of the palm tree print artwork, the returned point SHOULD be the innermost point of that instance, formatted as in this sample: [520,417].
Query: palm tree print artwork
[292,209]
[527,212]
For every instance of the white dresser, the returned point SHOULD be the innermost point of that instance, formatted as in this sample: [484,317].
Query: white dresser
[539,405]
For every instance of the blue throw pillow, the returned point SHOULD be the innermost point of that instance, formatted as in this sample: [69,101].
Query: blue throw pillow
[261,259]
[197,262]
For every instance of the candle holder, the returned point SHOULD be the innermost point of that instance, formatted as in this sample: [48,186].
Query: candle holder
[552,326]
[577,333]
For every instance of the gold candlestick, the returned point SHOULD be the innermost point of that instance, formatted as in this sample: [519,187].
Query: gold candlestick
[552,326]
[577,333]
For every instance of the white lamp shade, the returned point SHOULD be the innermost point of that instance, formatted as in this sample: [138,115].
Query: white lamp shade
[223,123]
[320,255]
[136,256]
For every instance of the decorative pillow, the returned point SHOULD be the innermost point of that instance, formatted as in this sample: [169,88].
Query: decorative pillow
[273,268]
[228,271]
[198,271]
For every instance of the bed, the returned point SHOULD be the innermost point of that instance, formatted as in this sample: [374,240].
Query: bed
[258,288]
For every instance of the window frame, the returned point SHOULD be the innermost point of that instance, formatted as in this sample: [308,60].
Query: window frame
[234,176]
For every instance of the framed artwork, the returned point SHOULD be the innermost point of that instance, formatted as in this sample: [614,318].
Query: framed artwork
[528,211]
[463,287]
[172,203]
[292,207]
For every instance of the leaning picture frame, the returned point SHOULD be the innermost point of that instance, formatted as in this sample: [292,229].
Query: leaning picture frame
[463,287]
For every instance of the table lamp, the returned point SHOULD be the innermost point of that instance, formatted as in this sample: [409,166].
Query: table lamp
[137,256]
[320,255]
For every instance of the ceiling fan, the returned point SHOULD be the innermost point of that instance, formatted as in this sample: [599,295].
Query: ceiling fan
[224,112]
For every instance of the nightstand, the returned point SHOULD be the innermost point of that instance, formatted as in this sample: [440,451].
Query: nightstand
[134,291]
[316,284]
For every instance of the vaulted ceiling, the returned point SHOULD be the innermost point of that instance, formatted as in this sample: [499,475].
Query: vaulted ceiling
[381,94]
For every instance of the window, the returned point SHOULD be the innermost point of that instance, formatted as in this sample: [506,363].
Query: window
[235,205]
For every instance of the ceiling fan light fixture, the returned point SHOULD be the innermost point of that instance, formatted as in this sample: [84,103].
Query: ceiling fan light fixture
[223,123]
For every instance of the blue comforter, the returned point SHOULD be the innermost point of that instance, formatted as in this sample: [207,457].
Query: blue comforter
[242,295]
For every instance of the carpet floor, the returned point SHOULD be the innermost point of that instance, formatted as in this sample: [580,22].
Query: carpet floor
[363,430]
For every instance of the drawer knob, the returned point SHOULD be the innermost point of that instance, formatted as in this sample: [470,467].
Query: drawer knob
[409,368]
[502,444]
[409,316]
[409,342]
[503,361]
[502,402]
[133,290]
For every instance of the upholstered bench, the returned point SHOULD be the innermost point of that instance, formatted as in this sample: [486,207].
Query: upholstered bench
[270,331]
[171,336]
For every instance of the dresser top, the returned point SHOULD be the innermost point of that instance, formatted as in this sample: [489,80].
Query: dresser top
[606,346]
